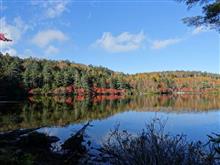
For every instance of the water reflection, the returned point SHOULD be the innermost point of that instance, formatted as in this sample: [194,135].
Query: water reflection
[61,111]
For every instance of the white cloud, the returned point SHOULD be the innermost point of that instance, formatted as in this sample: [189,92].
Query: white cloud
[10,51]
[159,44]
[13,31]
[52,8]
[57,9]
[199,29]
[43,38]
[28,53]
[51,50]
[124,42]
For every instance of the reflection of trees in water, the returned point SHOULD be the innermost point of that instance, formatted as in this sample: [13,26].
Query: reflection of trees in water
[60,111]
[45,111]
[177,103]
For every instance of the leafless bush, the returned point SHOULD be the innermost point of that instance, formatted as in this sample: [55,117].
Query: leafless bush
[153,147]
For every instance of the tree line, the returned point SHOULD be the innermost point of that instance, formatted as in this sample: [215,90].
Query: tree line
[175,81]
[46,75]
[18,76]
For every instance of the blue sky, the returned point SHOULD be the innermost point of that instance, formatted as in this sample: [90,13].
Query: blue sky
[129,36]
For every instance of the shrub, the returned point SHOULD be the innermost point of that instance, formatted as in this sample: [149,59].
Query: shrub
[154,147]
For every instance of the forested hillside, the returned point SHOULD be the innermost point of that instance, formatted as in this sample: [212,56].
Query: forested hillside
[36,76]
[19,77]
[175,81]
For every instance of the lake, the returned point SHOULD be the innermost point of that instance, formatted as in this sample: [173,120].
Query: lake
[193,115]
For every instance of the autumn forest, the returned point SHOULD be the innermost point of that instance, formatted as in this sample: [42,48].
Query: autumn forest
[22,77]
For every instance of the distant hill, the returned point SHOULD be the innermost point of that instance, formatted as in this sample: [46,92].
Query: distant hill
[19,77]
[175,81]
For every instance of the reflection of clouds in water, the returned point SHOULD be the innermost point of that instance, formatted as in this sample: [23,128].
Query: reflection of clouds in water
[49,131]
[61,132]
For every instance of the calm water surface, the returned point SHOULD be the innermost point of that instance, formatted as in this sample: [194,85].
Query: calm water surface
[192,115]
